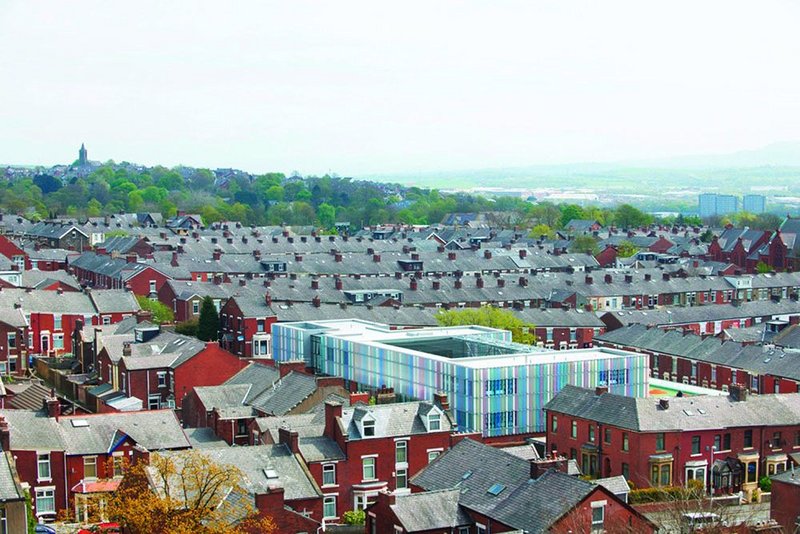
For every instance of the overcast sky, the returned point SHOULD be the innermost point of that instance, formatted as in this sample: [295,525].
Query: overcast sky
[385,87]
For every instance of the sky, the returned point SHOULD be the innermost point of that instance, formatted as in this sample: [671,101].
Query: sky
[360,88]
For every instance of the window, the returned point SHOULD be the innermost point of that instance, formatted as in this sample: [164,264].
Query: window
[607,435]
[401,478]
[432,455]
[153,402]
[58,341]
[43,466]
[90,467]
[57,323]
[262,346]
[368,468]
[106,319]
[574,431]
[12,340]
[695,444]
[797,438]
[329,506]
[776,440]
[162,379]
[195,307]
[626,471]
[591,433]
[660,474]
[748,438]
[241,427]
[554,424]
[328,474]
[717,442]
[260,325]
[625,444]
[726,442]
[152,286]
[434,421]
[660,441]
[598,516]
[480,529]
[401,452]
[118,462]
[369,427]
[45,501]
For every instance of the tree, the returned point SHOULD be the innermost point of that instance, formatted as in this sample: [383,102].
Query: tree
[187,328]
[626,216]
[762,267]
[571,212]
[208,324]
[584,243]
[707,236]
[626,249]
[161,313]
[184,493]
[521,332]
[326,215]
[542,230]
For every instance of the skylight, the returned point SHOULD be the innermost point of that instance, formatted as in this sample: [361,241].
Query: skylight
[496,489]
[79,423]
[270,473]
[466,475]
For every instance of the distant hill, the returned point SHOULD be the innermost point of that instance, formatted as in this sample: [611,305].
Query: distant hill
[777,164]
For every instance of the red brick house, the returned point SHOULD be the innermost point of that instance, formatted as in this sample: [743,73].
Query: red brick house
[104,272]
[354,453]
[725,442]
[185,298]
[13,341]
[608,256]
[63,458]
[14,253]
[784,505]
[476,489]
[246,324]
[163,369]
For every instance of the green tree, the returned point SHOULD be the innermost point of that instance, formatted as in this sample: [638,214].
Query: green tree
[570,212]
[626,249]
[626,216]
[208,324]
[584,243]
[542,230]
[326,215]
[187,328]
[161,313]
[762,267]
[521,332]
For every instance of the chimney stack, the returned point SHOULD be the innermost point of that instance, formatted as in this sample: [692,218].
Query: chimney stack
[608,279]
[437,285]
[479,283]
[457,284]
[53,405]
[600,390]
[316,301]
[174,261]
[337,283]
[332,411]
[413,284]
[314,284]
[523,253]
[738,392]
[588,280]
[290,438]
[487,254]
[663,404]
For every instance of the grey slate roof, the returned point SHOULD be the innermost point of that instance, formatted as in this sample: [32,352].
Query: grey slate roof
[702,412]
[165,350]
[32,398]
[752,358]
[68,302]
[430,510]
[284,394]
[10,489]
[616,485]
[395,419]
[224,396]
[114,301]
[320,448]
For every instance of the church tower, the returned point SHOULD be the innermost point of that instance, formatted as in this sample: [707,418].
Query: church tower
[83,158]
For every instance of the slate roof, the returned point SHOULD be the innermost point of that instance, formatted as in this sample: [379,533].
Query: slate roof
[536,505]
[752,358]
[165,350]
[789,337]
[320,448]
[258,376]
[152,429]
[702,412]
[36,279]
[10,489]
[203,438]
[395,419]
[114,301]
[473,468]
[284,394]
[616,485]
[224,396]
[68,302]
[430,510]
[32,398]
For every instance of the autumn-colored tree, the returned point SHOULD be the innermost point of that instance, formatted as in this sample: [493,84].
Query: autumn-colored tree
[521,332]
[182,493]
[627,249]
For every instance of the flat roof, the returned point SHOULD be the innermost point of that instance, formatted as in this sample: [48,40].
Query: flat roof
[474,346]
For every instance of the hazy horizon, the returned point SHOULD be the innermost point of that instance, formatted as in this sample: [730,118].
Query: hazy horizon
[363,89]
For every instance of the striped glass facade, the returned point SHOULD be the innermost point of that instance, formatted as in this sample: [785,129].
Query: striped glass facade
[497,395]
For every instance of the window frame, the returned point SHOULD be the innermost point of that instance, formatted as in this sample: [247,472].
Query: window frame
[43,459]
[369,462]
[329,469]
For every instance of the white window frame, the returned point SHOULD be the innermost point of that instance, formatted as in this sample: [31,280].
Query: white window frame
[152,286]
[329,500]
[401,445]
[43,459]
[58,321]
[89,460]
[161,377]
[58,341]
[365,461]
[40,494]
[150,401]
[328,469]
[433,454]
[12,341]
[401,473]
[434,417]
[598,525]
[195,307]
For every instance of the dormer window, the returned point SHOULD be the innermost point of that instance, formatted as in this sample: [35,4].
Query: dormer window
[434,421]
[369,427]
